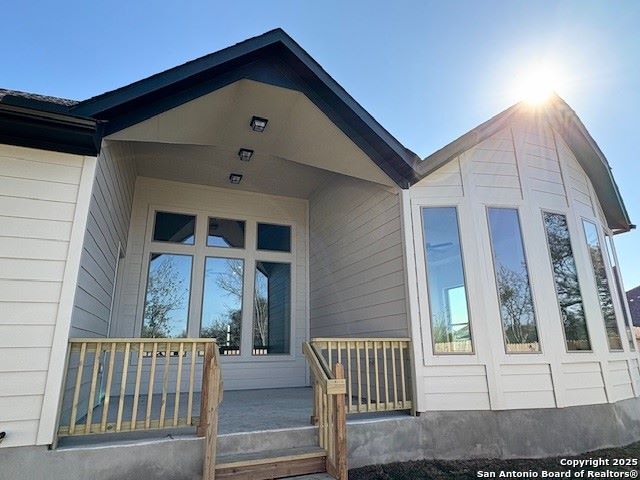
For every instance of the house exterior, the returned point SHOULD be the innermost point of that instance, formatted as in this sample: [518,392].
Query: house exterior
[246,197]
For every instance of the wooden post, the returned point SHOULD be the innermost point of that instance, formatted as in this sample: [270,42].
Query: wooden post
[210,399]
[338,467]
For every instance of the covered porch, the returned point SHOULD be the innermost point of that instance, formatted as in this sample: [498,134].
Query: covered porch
[224,234]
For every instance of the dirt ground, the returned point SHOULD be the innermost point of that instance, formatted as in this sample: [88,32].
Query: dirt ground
[494,468]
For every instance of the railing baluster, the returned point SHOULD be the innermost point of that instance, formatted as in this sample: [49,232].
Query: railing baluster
[176,408]
[367,374]
[329,353]
[349,386]
[404,387]
[165,383]
[107,390]
[136,392]
[123,385]
[359,376]
[192,375]
[377,374]
[76,389]
[393,373]
[152,376]
[386,375]
[92,391]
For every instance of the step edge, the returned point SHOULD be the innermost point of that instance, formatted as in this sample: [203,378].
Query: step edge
[281,458]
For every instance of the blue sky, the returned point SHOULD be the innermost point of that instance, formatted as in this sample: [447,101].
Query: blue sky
[428,71]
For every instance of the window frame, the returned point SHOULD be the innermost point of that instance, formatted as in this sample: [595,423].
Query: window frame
[555,286]
[200,251]
[620,294]
[603,253]
[465,278]
[541,350]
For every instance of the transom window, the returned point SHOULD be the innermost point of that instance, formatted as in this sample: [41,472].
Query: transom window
[217,282]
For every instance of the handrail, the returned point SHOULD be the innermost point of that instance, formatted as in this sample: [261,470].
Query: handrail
[329,410]
[378,371]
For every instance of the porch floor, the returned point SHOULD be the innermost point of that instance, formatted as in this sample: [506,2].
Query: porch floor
[240,411]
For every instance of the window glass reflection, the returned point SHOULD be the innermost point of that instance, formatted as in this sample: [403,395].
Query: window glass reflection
[272,308]
[166,307]
[175,228]
[566,281]
[446,283]
[222,303]
[225,233]
[274,237]
[608,242]
[602,285]
[512,281]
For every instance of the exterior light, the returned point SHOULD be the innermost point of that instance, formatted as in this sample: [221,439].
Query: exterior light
[258,124]
[235,178]
[245,154]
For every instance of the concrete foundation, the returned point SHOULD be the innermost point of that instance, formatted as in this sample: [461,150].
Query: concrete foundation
[443,435]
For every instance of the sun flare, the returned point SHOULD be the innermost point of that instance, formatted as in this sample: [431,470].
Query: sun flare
[538,83]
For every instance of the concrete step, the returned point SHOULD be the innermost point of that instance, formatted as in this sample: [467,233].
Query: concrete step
[270,464]
[266,440]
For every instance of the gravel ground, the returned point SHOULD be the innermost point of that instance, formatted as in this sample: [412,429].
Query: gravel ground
[492,468]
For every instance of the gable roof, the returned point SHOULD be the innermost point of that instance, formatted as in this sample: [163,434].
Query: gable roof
[273,58]
[566,122]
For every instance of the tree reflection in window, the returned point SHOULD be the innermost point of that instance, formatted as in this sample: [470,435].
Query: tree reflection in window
[166,307]
[565,276]
[222,303]
[602,284]
[512,278]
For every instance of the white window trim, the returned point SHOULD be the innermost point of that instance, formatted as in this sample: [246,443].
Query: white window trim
[200,251]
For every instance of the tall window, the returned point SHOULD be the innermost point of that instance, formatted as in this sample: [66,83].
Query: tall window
[512,281]
[222,303]
[166,307]
[613,260]
[602,284]
[272,315]
[450,326]
[565,276]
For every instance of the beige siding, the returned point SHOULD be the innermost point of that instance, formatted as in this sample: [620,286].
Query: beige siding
[357,283]
[38,195]
[526,166]
[107,230]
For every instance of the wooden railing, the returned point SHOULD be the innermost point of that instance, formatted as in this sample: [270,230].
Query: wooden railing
[133,384]
[329,412]
[377,371]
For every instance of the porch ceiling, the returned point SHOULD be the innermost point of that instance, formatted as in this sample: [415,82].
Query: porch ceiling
[299,146]
[209,165]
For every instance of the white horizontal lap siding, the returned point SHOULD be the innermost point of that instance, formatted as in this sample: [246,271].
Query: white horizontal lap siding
[245,373]
[43,197]
[357,282]
[526,166]
[107,229]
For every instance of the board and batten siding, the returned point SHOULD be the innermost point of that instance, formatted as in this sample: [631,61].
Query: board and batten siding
[527,166]
[356,266]
[44,198]
[154,194]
